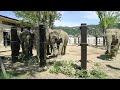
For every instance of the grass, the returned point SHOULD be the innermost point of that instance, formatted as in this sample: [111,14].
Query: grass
[11,75]
[66,68]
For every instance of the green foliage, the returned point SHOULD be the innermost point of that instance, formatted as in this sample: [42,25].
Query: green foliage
[63,67]
[75,31]
[35,17]
[118,25]
[97,74]
[56,68]
[113,51]
[10,75]
[81,73]
[108,19]
[97,64]
[66,67]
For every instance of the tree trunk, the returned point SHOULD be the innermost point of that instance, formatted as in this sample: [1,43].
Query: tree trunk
[103,37]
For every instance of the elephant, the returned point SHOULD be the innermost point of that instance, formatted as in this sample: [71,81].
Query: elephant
[112,37]
[61,38]
[50,45]
[26,41]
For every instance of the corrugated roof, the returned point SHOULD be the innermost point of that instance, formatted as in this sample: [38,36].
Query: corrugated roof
[8,17]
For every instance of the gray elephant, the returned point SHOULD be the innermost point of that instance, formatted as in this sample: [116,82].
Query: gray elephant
[61,38]
[112,41]
[50,45]
[26,41]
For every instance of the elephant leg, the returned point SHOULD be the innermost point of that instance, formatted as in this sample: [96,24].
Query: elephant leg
[23,48]
[62,53]
[48,51]
[109,45]
[116,49]
[51,47]
[30,52]
[60,49]
[64,50]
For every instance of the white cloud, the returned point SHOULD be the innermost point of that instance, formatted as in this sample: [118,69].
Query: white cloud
[90,15]
[70,24]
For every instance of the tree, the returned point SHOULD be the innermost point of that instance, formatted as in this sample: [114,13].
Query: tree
[53,15]
[108,19]
[35,17]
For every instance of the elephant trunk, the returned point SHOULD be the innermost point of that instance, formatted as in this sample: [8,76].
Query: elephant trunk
[55,50]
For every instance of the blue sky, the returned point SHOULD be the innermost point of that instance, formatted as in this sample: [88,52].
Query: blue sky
[69,18]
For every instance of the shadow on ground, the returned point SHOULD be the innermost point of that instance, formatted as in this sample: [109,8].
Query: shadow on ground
[105,57]
[5,51]
[75,66]
[113,67]
[23,67]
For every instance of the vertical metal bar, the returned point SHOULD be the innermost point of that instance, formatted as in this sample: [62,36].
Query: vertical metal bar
[15,44]
[42,45]
[83,46]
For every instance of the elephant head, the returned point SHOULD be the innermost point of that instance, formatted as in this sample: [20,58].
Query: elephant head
[112,41]
[60,37]
[53,37]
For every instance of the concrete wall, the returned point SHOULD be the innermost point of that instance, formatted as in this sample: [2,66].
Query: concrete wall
[90,40]
[1,39]
[3,28]
[71,40]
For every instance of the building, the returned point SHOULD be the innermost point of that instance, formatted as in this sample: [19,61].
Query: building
[5,28]
[91,40]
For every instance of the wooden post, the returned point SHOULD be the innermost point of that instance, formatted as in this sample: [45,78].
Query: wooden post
[42,45]
[96,41]
[83,46]
[78,41]
[15,44]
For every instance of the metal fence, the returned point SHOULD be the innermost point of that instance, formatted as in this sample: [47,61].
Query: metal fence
[74,51]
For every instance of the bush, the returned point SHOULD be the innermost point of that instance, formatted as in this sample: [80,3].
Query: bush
[66,67]
[63,67]
[98,74]
[82,74]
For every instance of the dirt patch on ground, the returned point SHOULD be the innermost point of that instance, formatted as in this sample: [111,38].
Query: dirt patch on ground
[95,55]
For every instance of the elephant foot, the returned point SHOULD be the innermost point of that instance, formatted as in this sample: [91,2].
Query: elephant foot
[48,53]
[63,54]
[47,57]
[55,55]
[106,52]
[42,69]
